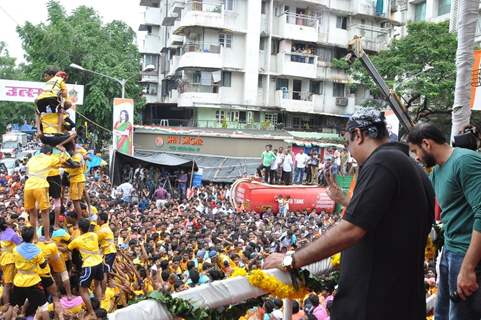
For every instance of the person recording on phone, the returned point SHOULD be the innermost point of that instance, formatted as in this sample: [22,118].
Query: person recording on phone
[383,233]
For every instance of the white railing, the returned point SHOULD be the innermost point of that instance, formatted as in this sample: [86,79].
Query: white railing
[217,294]
[204,6]
[296,95]
[300,19]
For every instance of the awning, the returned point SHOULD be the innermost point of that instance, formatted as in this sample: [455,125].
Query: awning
[153,158]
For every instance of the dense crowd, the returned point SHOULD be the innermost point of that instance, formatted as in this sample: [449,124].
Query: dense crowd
[169,245]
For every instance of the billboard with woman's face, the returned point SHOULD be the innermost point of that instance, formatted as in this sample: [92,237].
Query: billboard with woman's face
[123,126]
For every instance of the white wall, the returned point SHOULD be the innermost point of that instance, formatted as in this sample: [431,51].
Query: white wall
[251,52]
[235,93]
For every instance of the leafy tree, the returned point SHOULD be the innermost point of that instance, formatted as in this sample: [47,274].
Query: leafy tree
[12,112]
[82,38]
[420,67]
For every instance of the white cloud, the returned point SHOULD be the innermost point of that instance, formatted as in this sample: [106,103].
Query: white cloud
[35,11]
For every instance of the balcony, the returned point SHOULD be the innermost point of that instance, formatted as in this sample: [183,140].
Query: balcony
[151,44]
[150,77]
[151,98]
[297,64]
[195,94]
[198,13]
[150,3]
[326,72]
[341,6]
[373,38]
[298,27]
[298,101]
[340,105]
[363,7]
[176,7]
[201,55]
[152,16]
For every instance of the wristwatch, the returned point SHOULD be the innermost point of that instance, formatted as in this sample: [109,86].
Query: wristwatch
[288,261]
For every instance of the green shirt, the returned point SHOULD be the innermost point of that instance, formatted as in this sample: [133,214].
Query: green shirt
[267,158]
[457,184]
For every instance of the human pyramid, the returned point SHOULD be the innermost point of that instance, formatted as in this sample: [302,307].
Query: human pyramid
[65,253]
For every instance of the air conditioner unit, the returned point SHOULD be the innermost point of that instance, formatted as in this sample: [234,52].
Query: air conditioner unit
[342,102]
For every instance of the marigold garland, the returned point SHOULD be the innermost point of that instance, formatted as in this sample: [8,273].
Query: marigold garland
[238,272]
[262,280]
[336,260]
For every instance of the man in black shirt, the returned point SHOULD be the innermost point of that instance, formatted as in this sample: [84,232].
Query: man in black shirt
[383,234]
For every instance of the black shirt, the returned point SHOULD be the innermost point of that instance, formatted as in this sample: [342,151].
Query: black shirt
[382,276]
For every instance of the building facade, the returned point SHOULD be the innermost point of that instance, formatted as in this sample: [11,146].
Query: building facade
[252,64]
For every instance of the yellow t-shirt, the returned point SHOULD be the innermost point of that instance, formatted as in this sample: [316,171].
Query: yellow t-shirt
[106,239]
[49,123]
[49,250]
[108,301]
[38,168]
[55,171]
[52,88]
[88,245]
[60,238]
[27,269]
[7,252]
[77,174]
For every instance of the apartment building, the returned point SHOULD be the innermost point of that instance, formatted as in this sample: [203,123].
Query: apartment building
[425,10]
[253,64]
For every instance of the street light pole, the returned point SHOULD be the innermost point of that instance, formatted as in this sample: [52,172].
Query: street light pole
[122,82]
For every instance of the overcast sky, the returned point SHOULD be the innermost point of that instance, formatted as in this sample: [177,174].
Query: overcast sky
[13,12]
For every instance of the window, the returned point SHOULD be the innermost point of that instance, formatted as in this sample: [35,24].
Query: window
[229,5]
[444,7]
[196,77]
[315,87]
[341,23]
[282,83]
[263,7]
[242,117]
[259,81]
[339,90]
[420,11]
[151,59]
[149,30]
[219,115]
[271,117]
[233,116]
[275,46]
[150,89]
[226,78]
[225,40]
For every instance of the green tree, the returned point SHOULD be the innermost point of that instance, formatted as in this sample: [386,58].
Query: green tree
[12,112]
[420,67]
[82,38]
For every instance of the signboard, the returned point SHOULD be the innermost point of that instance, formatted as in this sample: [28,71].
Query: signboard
[475,99]
[27,91]
[123,125]
[180,143]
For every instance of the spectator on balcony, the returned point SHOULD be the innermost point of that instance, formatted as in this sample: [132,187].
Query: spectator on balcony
[273,177]
[287,166]
[301,161]
[314,168]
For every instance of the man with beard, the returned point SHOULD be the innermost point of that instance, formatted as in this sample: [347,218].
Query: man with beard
[456,177]
[383,233]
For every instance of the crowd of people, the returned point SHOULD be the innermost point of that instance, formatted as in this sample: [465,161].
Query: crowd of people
[281,166]
[120,248]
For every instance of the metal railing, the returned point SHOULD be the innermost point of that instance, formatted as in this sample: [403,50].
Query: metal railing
[296,95]
[301,57]
[197,87]
[205,6]
[201,47]
[300,19]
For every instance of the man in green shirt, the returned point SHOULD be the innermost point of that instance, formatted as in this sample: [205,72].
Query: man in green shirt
[267,158]
[456,177]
